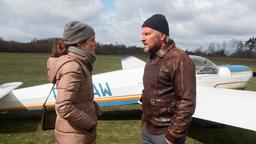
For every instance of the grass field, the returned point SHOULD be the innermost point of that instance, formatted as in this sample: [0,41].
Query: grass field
[118,125]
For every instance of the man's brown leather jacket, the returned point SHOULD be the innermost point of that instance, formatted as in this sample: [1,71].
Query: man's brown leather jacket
[169,95]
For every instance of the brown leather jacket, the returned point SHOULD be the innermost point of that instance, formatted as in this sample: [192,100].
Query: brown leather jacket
[169,95]
[76,114]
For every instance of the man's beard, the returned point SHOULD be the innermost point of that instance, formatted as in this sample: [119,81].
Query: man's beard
[153,49]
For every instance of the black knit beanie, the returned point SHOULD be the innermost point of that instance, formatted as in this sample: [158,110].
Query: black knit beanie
[157,22]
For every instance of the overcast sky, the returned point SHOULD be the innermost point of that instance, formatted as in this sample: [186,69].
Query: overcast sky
[192,23]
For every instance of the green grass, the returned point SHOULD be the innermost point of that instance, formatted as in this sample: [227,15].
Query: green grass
[28,68]
[118,125]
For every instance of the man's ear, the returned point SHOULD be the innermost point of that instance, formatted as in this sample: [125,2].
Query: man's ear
[163,37]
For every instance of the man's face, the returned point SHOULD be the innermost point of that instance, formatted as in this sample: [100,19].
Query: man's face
[89,44]
[150,39]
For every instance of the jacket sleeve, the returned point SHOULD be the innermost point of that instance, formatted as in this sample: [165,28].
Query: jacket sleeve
[185,88]
[68,86]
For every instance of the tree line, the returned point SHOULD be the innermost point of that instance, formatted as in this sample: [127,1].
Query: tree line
[232,48]
[45,46]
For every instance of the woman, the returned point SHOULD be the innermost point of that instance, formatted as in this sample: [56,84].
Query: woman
[70,68]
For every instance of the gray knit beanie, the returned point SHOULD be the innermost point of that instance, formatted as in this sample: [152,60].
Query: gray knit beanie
[76,31]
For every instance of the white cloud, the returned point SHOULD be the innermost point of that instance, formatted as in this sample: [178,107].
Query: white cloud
[192,23]
[43,19]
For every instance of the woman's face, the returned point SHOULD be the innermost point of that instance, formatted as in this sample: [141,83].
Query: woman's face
[89,45]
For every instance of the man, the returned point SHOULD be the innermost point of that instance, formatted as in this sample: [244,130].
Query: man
[169,95]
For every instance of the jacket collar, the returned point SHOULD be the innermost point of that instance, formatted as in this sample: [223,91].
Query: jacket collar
[161,53]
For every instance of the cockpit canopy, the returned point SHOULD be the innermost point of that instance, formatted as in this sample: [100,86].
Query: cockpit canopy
[203,65]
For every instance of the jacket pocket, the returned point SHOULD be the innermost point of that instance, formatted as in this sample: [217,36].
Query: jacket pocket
[164,73]
[162,110]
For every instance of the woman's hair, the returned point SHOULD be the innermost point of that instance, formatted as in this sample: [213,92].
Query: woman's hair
[59,48]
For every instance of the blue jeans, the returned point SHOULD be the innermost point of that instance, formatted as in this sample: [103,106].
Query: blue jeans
[156,139]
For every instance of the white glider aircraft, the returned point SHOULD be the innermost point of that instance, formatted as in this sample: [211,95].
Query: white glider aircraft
[216,98]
